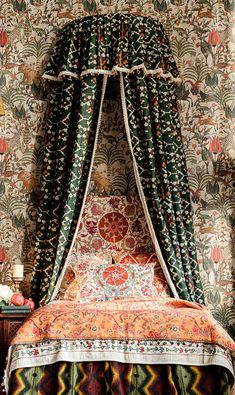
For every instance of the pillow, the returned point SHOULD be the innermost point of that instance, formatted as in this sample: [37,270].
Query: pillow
[101,282]
[77,265]
[143,258]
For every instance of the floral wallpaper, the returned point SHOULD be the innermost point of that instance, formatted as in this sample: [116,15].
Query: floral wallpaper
[202,36]
[112,172]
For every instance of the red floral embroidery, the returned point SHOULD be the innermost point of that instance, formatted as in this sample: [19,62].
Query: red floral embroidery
[113,227]
[115,275]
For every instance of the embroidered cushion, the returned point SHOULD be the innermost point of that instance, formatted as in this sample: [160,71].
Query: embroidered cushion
[113,224]
[139,258]
[101,282]
[77,266]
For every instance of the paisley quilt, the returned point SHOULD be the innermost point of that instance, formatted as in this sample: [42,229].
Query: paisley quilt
[152,331]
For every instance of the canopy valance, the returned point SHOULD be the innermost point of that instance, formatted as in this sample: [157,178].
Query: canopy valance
[110,43]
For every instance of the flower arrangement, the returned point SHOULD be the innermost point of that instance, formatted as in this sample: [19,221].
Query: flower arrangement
[13,299]
[5,294]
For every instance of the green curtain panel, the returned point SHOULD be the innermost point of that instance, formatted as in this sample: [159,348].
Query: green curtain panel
[71,127]
[158,151]
[89,50]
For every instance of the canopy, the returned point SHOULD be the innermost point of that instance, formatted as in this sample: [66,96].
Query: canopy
[89,51]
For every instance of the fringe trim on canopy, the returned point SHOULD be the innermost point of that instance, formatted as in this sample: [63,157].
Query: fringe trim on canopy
[114,71]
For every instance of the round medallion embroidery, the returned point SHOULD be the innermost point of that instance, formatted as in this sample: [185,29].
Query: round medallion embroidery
[113,227]
[115,275]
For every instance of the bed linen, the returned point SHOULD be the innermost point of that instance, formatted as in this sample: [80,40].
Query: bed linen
[151,331]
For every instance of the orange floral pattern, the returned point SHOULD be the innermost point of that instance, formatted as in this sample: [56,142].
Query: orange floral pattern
[156,330]
[162,318]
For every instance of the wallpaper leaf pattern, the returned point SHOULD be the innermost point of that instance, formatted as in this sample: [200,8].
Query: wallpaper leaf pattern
[202,36]
[112,173]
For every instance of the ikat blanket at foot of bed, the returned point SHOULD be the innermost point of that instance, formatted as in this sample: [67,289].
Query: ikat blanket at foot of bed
[150,331]
[114,378]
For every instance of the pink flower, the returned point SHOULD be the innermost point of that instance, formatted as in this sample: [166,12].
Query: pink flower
[35,331]
[195,329]
[214,38]
[115,327]
[215,145]
[3,38]
[3,146]
[216,254]
[97,244]
[96,209]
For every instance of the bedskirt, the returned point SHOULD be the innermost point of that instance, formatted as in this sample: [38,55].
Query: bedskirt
[116,378]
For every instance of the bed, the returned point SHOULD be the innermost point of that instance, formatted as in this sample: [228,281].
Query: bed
[151,346]
[113,326]
[114,224]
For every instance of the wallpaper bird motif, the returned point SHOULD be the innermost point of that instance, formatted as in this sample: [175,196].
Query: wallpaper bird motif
[202,36]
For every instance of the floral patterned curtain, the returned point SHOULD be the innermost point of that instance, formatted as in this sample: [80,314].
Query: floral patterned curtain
[135,47]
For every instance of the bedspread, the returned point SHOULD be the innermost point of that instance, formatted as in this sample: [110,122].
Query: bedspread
[151,331]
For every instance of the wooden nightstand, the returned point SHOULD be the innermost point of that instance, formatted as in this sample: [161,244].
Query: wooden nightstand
[9,324]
